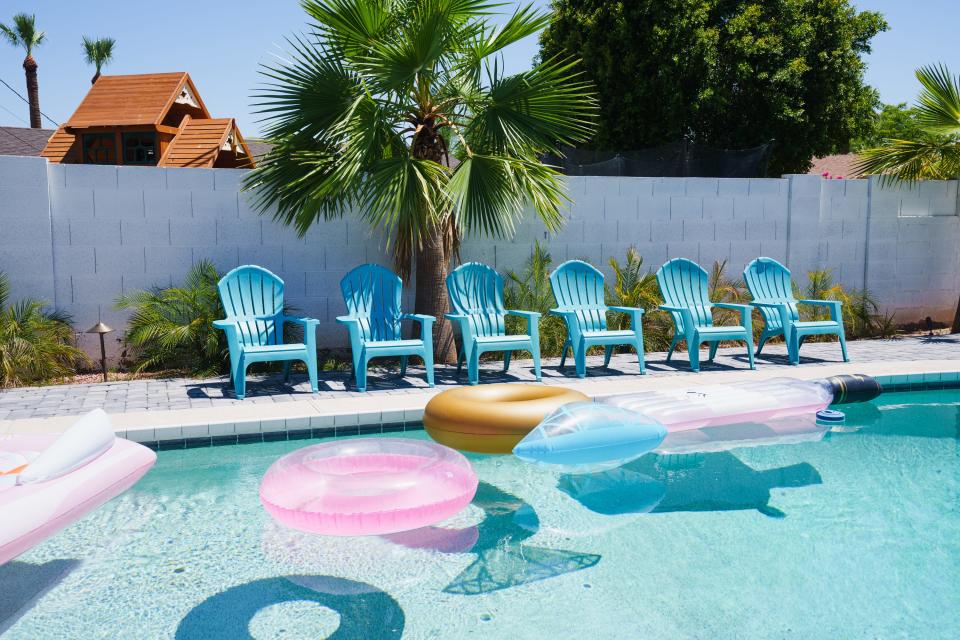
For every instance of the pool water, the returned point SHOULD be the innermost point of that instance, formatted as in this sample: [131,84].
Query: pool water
[855,535]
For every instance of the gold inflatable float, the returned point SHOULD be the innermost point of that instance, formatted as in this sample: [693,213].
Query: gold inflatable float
[491,418]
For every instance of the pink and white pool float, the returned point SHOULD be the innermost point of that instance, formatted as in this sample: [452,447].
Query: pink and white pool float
[49,481]
[367,486]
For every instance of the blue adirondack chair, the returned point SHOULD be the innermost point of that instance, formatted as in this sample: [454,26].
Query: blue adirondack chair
[476,300]
[770,285]
[372,296]
[684,285]
[253,301]
[580,294]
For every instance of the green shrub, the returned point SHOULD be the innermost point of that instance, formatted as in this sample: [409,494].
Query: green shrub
[173,328]
[36,343]
[530,290]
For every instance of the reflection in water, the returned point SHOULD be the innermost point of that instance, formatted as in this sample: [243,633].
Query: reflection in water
[23,583]
[502,561]
[366,613]
[930,420]
[710,482]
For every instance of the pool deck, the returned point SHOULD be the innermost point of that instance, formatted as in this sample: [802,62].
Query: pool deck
[181,410]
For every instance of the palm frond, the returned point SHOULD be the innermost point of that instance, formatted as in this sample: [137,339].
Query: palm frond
[938,108]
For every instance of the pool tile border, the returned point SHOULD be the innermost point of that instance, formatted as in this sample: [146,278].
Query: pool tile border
[920,381]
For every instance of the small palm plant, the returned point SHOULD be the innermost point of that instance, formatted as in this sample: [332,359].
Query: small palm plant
[530,290]
[36,344]
[24,33]
[98,52]
[634,287]
[172,328]
[860,308]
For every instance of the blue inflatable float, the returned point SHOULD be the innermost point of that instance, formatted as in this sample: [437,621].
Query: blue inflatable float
[586,437]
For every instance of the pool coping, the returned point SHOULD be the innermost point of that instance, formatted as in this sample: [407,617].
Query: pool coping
[326,417]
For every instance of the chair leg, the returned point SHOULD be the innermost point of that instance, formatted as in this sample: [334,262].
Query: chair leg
[580,359]
[473,366]
[286,370]
[793,348]
[403,365]
[693,350]
[763,341]
[673,346]
[843,345]
[240,379]
[563,354]
[360,373]
[750,353]
[535,352]
[506,360]
[312,372]
[428,360]
[713,350]
[639,347]
[607,353]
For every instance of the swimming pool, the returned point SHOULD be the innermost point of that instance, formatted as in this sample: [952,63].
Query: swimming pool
[856,535]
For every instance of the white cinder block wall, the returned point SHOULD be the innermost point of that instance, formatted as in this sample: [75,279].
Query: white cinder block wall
[79,235]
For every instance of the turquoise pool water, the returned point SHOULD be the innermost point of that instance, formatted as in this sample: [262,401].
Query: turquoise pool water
[856,535]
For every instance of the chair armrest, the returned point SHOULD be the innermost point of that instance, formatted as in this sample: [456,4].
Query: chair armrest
[225,325]
[563,313]
[822,303]
[836,312]
[629,310]
[669,307]
[348,320]
[424,320]
[524,314]
[769,305]
[304,322]
[744,309]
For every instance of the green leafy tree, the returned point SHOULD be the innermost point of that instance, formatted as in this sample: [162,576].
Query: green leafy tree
[891,122]
[728,73]
[98,52]
[401,110]
[172,328]
[36,343]
[23,33]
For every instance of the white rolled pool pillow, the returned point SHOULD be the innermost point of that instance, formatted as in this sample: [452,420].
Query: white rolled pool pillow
[86,440]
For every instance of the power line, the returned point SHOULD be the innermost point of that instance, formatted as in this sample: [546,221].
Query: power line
[14,115]
[55,123]
[7,131]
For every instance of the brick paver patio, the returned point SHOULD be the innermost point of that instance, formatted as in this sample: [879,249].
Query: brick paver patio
[185,393]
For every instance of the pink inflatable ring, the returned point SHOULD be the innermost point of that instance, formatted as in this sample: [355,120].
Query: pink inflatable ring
[367,486]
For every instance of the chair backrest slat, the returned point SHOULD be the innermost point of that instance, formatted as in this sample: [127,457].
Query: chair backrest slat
[372,296]
[578,287]
[684,283]
[770,281]
[248,291]
[476,290]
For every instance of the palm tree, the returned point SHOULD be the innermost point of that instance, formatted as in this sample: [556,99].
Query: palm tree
[36,344]
[24,34]
[401,109]
[936,154]
[98,53]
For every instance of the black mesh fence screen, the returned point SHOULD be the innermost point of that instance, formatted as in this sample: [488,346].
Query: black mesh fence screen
[675,160]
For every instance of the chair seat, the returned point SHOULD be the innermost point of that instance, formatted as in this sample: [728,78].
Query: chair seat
[391,344]
[618,333]
[506,339]
[274,348]
[817,324]
[706,331]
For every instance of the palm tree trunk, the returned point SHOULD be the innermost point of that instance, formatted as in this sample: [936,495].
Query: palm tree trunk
[432,266]
[33,91]
[956,320]
[95,76]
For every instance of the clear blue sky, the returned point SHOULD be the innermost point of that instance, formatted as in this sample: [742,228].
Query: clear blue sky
[221,44]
